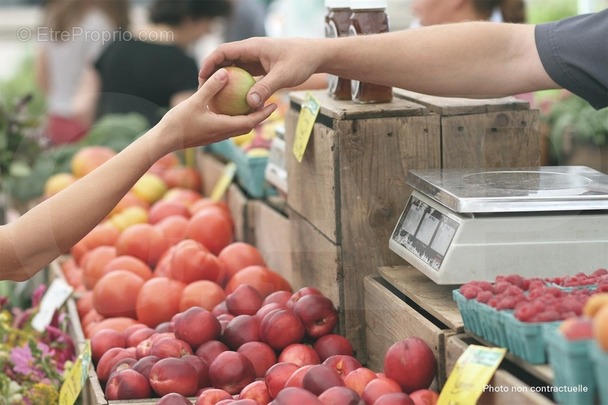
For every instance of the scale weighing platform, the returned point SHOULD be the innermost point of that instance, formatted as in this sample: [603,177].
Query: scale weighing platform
[464,225]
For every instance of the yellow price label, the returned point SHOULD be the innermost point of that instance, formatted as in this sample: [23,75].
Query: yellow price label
[471,375]
[306,121]
[224,182]
[76,377]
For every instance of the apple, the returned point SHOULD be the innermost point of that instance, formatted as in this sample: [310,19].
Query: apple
[196,326]
[300,354]
[170,347]
[261,355]
[424,397]
[302,292]
[240,330]
[232,98]
[163,209]
[340,396]
[104,340]
[343,364]
[411,363]
[256,391]
[174,375]
[331,344]
[377,387]
[244,300]
[295,395]
[321,377]
[173,398]
[212,396]
[231,371]
[208,351]
[276,377]
[144,365]
[280,328]
[358,379]
[317,313]
[394,398]
[127,384]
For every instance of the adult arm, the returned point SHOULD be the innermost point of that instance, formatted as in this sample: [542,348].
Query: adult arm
[476,59]
[46,231]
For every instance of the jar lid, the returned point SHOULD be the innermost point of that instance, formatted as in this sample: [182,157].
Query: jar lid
[337,3]
[367,4]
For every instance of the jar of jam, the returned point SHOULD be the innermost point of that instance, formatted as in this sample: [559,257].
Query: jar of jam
[369,17]
[337,24]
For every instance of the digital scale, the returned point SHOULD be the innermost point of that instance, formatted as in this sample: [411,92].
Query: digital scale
[463,225]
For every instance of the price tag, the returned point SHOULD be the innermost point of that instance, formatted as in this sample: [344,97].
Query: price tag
[306,121]
[471,374]
[224,182]
[54,298]
[76,377]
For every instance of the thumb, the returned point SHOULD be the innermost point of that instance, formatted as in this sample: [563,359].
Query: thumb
[263,89]
[212,86]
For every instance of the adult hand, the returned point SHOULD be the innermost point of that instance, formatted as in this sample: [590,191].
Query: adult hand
[282,63]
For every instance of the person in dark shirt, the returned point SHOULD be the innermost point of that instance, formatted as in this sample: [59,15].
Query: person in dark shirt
[150,71]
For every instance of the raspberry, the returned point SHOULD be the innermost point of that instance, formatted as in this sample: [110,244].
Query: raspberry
[486,286]
[548,315]
[469,291]
[515,279]
[600,272]
[501,286]
[508,302]
[525,312]
[484,296]
[514,291]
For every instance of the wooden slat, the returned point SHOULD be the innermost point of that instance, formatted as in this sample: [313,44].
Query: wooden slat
[491,140]
[312,183]
[433,298]
[316,260]
[237,205]
[272,236]
[447,106]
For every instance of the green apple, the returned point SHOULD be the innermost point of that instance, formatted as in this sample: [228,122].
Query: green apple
[232,99]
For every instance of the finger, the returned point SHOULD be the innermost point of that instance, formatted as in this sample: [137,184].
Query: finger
[264,88]
[212,86]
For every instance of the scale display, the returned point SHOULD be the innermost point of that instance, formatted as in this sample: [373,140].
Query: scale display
[425,231]
[461,225]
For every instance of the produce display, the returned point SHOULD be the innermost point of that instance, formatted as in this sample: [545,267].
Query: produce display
[177,310]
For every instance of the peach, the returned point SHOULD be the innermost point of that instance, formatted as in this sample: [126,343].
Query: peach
[318,314]
[343,364]
[261,355]
[212,396]
[340,396]
[196,326]
[201,367]
[174,375]
[321,377]
[173,398]
[244,300]
[377,387]
[104,340]
[89,158]
[424,397]
[297,378]
[182,177]
[266,309]
[331,344]
[144,365]
[240,330]
[577,328]
[302,292]
[300,354]
[208,351]
[280,328]
[203,293]
[256,391]
[108,360]
[138,336]
[394,398]
[358,379]
[163,209]
[294,395]
[276,377]
[411,363]
[231,371]
[280,297]
[170,348]
[127,384]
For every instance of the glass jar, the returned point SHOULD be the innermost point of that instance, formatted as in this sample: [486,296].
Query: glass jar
[337,24]
[369,17]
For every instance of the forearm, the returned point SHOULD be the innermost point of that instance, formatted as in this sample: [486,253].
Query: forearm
[475,60]
[70,214]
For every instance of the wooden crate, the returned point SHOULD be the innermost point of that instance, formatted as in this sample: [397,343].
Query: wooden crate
[350,186]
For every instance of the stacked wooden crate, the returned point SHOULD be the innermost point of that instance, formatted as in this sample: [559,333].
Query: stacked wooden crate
[347,193]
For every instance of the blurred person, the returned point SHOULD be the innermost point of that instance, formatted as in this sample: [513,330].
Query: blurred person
[73,34]
[432,12]
[152,70]
[470,59]
[245,21]
[51,228]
